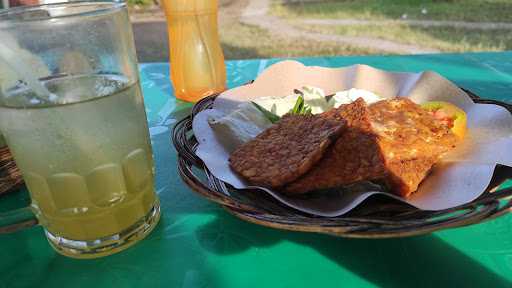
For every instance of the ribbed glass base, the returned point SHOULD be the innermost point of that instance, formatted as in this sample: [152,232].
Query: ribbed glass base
[107,245]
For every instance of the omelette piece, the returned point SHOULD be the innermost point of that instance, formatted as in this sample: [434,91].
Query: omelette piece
[286,150]
[394,141]
[411,139]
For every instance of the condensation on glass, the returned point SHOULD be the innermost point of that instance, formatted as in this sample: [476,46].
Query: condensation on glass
[84,148]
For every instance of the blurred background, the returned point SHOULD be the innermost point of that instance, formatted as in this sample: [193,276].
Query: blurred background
[288,28]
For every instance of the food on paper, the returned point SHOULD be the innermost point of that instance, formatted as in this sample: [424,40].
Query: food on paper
[252,118]
[449,114]
[411,140]
[351,95]
[313,97]
[239,126]
[355,156]
[286,150]
[395,142]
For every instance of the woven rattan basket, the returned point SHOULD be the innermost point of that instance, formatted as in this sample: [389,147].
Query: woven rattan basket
[10,175]
[375,218]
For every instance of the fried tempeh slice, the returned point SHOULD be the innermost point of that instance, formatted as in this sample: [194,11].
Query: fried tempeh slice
[392,140]
[354,157]
[286,150]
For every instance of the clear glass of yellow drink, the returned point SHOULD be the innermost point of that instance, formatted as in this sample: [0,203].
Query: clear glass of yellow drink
[82,144]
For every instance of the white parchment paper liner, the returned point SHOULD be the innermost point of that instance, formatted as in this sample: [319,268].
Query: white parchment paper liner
[459,178]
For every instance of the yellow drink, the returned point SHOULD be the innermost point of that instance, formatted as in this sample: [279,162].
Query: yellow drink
[87,164]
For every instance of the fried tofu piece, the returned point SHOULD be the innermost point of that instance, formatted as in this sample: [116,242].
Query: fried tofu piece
[394,141]
[286,150]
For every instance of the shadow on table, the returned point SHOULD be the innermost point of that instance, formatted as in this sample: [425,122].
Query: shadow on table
[28,261]
[423,261]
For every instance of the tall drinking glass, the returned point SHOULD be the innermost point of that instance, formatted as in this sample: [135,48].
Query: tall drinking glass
[83,144]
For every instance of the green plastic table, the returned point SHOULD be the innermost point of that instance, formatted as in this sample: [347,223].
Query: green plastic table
[198,244]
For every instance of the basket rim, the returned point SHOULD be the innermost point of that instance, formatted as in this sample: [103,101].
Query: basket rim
[407,222]
[10,175]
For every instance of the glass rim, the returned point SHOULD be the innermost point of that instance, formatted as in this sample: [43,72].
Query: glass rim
[103,7]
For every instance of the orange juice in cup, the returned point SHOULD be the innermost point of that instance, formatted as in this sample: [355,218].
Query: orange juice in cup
[196,58]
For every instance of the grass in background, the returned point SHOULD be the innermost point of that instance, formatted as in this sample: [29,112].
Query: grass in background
[142,3]
[460,10]
[242,41]
[245,42]
[443,38]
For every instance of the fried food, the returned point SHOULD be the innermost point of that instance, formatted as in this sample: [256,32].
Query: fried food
[411,139]
[451,115]
[395,141]
[354,157]
[286,150]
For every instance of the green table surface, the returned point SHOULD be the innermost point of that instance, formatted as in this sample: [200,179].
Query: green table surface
[198,244]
